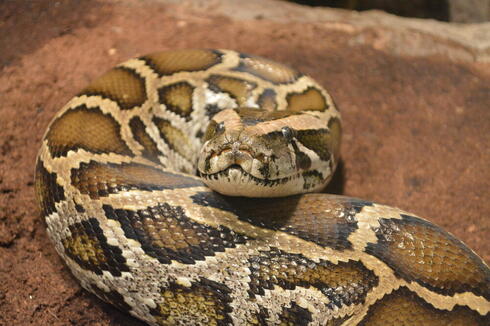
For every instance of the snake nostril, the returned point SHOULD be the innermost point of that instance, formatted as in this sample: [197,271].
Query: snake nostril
[236,149]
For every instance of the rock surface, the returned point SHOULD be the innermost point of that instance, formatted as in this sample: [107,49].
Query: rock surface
[469,11]
[414,96]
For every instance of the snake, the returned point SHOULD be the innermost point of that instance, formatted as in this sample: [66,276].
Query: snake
[184,187]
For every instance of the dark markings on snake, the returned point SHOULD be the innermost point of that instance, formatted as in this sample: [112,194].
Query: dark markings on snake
[303,161]
[48,191]
[312,179]
[205,300]
[311,99]
[403,307]
[88,247]
[150,148]
[87,129]
[211,110]
[333,139]
[419,251]
[301,216]
[166,233]
[355,204]
[273,137]
[238,89]
[315,140]
[295,315]
[122,85]
[102,179]
[171,62]
[199,134]
[265,170]
[175,138]
[344,284]
[260,317]
[339,321]
[177,98]
[267,100]
[79,208]
[113,297]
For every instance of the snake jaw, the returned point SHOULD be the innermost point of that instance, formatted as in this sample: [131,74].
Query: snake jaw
[235,181]
[237,170]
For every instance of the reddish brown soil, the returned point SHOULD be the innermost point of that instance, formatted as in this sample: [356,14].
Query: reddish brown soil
[415,129]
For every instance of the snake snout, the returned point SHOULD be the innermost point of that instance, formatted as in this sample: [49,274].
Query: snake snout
[237,152]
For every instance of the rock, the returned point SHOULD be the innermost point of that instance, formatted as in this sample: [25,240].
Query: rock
[469,11]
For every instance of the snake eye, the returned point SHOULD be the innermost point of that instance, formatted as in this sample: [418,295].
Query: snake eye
[220,127]
[213,130]
[287,133]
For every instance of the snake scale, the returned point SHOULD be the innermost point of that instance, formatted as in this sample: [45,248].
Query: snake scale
[125,175]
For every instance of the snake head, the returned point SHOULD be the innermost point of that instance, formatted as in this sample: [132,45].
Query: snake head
[253,152]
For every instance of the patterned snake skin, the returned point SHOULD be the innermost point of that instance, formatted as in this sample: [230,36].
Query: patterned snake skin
[116,181]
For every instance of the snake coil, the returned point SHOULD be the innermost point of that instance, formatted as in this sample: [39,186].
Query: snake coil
[116,180]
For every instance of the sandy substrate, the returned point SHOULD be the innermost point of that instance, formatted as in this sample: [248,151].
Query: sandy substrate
[415,127]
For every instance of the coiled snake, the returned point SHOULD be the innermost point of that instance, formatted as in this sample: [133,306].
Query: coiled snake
[116,180]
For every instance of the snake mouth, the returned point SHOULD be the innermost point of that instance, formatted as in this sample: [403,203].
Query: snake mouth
[236,174]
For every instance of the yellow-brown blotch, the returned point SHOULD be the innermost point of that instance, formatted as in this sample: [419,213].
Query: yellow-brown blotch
[309,100]
[88,129]
[177,98]
[120,84]
[238,89]
[170,62]
[403,308]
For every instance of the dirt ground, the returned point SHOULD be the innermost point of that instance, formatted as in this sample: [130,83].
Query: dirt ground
[416,129]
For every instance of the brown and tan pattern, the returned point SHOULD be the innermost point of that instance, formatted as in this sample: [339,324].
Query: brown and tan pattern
[238,89]
[175,138]
[343,284]
[309,100]
[204,300]
[48,191]
[177,98]
[421,252]
[171,62]
[267,69]
[100,180]
[87,129]
[295,315]
[114,297]
[267,100]
[403,307]
[301,216]
[115,179]
[121,85]
[167,234]
[88,246]
[150,148]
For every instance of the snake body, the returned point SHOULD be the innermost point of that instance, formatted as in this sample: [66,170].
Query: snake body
[116,182]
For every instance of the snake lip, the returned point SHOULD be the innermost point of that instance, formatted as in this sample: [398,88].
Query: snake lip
[236,167]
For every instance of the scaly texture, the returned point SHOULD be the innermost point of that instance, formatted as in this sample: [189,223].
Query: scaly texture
[115,180]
